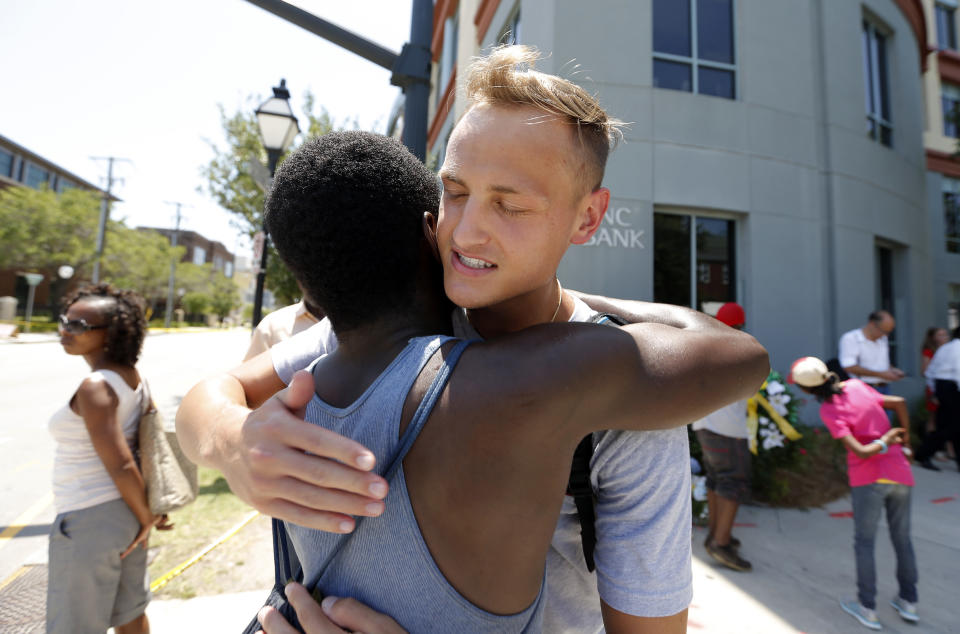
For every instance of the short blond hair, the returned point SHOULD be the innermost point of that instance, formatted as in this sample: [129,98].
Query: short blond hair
[506,77]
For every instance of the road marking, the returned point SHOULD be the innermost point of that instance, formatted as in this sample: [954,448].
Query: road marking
[162,581]
[6,582]
[27,465]
[842,514]
[21,522]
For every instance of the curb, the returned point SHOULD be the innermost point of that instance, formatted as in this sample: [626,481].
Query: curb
[52,338]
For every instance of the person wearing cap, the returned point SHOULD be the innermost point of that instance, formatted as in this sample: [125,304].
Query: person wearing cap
[880,478]
[943,376]
[865,352]
[723,437]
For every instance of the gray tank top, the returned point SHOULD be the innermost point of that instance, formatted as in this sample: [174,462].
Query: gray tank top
[385,563]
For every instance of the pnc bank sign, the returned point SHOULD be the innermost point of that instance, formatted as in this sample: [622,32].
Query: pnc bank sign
[618,230]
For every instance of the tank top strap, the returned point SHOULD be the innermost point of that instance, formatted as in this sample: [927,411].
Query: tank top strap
[426,405]
[410,434]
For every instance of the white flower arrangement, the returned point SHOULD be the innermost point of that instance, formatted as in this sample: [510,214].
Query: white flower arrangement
[698,485]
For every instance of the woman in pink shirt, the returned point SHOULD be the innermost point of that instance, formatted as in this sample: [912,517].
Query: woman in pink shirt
[880,477]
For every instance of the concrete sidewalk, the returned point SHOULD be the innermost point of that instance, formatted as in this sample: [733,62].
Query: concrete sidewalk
[803,564]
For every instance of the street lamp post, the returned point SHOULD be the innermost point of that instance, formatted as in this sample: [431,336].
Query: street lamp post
[278,127]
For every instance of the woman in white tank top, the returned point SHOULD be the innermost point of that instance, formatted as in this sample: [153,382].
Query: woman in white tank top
[97,574]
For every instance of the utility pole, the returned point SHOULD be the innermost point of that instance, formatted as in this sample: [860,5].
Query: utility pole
[104,214]
[173,267]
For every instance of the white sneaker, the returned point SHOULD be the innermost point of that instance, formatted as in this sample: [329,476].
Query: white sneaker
[866,616]
[907,610]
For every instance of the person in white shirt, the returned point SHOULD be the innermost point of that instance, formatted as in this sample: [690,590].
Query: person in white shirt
[865,352]
[282,324]
[943,375]
[726,457]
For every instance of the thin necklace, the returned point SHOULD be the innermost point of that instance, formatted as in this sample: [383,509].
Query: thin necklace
[559,301]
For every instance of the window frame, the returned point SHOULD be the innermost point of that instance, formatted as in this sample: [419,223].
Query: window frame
[950,187]
[510,26]
[875,82]
[694,62]
[694,215]
[948,10]
[13,162]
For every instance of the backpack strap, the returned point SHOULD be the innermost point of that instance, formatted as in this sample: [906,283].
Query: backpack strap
[578,485]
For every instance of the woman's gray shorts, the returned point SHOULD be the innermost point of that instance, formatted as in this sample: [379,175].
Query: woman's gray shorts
[90,589]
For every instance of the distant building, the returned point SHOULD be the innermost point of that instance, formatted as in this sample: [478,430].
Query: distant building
[940,138]
[774,156]
[199,249]
[20,167]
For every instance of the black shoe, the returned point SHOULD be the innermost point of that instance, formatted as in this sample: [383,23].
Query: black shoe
[926,463]
[733,541]
[729,557]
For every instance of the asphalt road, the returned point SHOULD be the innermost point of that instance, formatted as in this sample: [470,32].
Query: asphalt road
[36,379]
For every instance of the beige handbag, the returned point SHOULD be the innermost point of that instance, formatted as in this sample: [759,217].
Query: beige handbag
[170,477]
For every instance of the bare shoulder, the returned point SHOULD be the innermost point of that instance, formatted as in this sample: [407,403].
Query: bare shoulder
[95,393]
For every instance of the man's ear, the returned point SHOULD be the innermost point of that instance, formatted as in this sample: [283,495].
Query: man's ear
[596,203]
[430,231]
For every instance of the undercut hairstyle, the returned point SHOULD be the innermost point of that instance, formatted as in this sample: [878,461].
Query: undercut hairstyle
[506,77]
[878,316]
[346,215]
[123,312]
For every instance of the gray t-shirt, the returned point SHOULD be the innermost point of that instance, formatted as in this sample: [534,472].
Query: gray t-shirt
[642,481]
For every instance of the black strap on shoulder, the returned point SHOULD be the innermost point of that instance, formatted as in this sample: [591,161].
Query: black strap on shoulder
[578,486]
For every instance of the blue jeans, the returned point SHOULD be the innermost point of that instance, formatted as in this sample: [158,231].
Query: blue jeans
[868,502]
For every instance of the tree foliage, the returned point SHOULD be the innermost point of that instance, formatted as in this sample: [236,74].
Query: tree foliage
[228,178]
[138,260]
[41,229]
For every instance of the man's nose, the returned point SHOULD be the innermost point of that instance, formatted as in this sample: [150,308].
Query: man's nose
[471,230]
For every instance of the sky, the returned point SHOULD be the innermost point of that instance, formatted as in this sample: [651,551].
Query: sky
[142,81]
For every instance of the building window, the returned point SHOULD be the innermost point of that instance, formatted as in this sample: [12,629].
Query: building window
[228,269]
[946,25]
[64,184]
[693,268]
[199,255]
[36,176]
[6,164]
[876,89]
[693,46]
[950,102]
[510,33]
[448,55]
[951,214]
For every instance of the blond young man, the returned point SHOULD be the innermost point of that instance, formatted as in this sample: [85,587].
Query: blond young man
[522,181]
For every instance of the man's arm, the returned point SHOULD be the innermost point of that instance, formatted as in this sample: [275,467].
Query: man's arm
[680,366]
[616,622]
[891,375]
[272,459]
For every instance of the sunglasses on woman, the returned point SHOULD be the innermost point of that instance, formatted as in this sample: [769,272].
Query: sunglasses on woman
[77,326]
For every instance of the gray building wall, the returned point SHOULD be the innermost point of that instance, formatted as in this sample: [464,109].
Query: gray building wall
[789,160]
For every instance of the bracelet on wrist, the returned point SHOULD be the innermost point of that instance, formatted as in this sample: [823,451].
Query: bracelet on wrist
[883,446]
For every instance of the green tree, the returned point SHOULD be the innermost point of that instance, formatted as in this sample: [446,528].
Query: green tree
[229,180]
[42,230]
[195,303]
[224,295]
[138,260]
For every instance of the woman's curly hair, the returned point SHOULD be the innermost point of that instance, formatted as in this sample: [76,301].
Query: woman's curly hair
[124,312]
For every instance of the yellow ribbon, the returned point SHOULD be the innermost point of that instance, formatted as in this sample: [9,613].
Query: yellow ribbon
[753,423]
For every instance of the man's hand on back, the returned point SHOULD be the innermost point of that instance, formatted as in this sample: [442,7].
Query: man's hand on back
[281,465]
[329,617]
